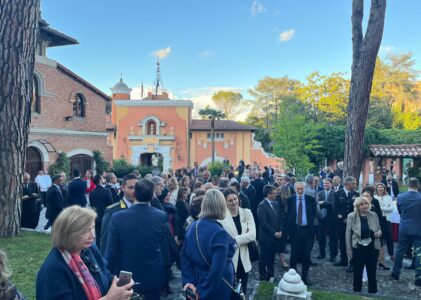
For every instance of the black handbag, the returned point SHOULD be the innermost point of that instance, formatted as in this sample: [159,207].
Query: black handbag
[253,251]
[236,293]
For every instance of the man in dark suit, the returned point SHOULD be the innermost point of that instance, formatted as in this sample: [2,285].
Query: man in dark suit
[134,241]
[76,190]
[248,189]
[302,211]
[127,188]
[31,203]
[159,188]
[55,201]
[409,206]
[244,200]
[195,170]
[99,199]
[392,186]
[337,184]
[271,228]
[258,185]
[343,204]
[326,224]
[112,186]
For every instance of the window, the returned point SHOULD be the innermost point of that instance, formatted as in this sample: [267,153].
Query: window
[151,128]
[36,100]
[219,136]
[79,106]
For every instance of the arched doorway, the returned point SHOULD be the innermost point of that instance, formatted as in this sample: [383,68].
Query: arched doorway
[81,162]
[33,162]
[151,160]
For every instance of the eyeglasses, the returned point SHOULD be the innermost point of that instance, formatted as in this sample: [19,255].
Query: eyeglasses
[90,264]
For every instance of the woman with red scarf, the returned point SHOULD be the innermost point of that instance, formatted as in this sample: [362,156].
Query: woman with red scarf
[75,269]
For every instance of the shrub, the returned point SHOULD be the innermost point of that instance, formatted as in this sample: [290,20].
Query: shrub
[101,163]
[62,164]
[121,167]
[216,168]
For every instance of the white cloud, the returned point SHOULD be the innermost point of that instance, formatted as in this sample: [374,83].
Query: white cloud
[202,97]
[286,35]
[257,8]
[387,49]
[206,53]
[162,53]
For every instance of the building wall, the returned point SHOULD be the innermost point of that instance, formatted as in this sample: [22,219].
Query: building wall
[78,136]
[236,146]
[176,119]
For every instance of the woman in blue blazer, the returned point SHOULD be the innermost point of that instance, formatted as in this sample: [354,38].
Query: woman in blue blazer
[75,269]
[206,256]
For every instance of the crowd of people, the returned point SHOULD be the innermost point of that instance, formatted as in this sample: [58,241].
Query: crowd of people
[213,228]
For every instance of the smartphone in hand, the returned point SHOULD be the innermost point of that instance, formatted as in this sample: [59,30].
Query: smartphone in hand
[124,278]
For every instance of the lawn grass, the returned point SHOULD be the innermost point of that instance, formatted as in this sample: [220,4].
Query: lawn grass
[26,253]
[265,292]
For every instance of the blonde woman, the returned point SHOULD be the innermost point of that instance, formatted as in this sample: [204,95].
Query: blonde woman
[206,256]
[363,243]
[239,223]
[74,269]
[173,190]
[387,205]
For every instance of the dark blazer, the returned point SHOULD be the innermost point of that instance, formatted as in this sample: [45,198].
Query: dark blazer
[55,203]
[328,204]
[55,280]
[109,211]
[218,247]
[134,244]
[258,185]
[343,204]
[250,192]
[269,221]
[156,203]
[395,187]
[311,211]
[409,205]
[100,198]
[114,193]
[245,200]
[183,212]
[30,206]
[76,192]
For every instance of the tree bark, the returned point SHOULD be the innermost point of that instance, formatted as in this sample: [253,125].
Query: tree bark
[18,35]
[365,49]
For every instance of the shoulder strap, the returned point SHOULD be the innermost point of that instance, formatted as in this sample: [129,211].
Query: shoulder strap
[203,256]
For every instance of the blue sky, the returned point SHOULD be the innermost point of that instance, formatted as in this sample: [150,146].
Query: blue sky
[216,44]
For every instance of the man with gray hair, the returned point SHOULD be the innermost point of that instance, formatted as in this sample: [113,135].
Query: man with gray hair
[113,186]
[311,192]
[248,190]
[343,204]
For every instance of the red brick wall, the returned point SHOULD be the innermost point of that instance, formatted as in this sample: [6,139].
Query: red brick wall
[55,107]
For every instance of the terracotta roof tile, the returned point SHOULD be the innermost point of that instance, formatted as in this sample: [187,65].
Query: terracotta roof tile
[220,125]
[404,150]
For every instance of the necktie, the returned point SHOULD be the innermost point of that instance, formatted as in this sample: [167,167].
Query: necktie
[300,211]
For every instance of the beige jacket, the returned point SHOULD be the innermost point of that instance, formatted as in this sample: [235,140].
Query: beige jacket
[248,229]
[353,230]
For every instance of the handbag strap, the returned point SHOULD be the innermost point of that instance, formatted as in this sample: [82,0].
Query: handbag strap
[203,256]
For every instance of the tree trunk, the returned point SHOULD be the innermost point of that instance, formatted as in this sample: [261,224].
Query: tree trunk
[18,33]
[365,50]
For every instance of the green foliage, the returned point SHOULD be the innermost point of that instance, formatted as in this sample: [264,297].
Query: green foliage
[295,138]
[211,114]
[325,97]
[400,136]
[101,163]
[216,168]
[62,164]
[228,102]
[143,170]
[26,253]
[379,114]
[121,167]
